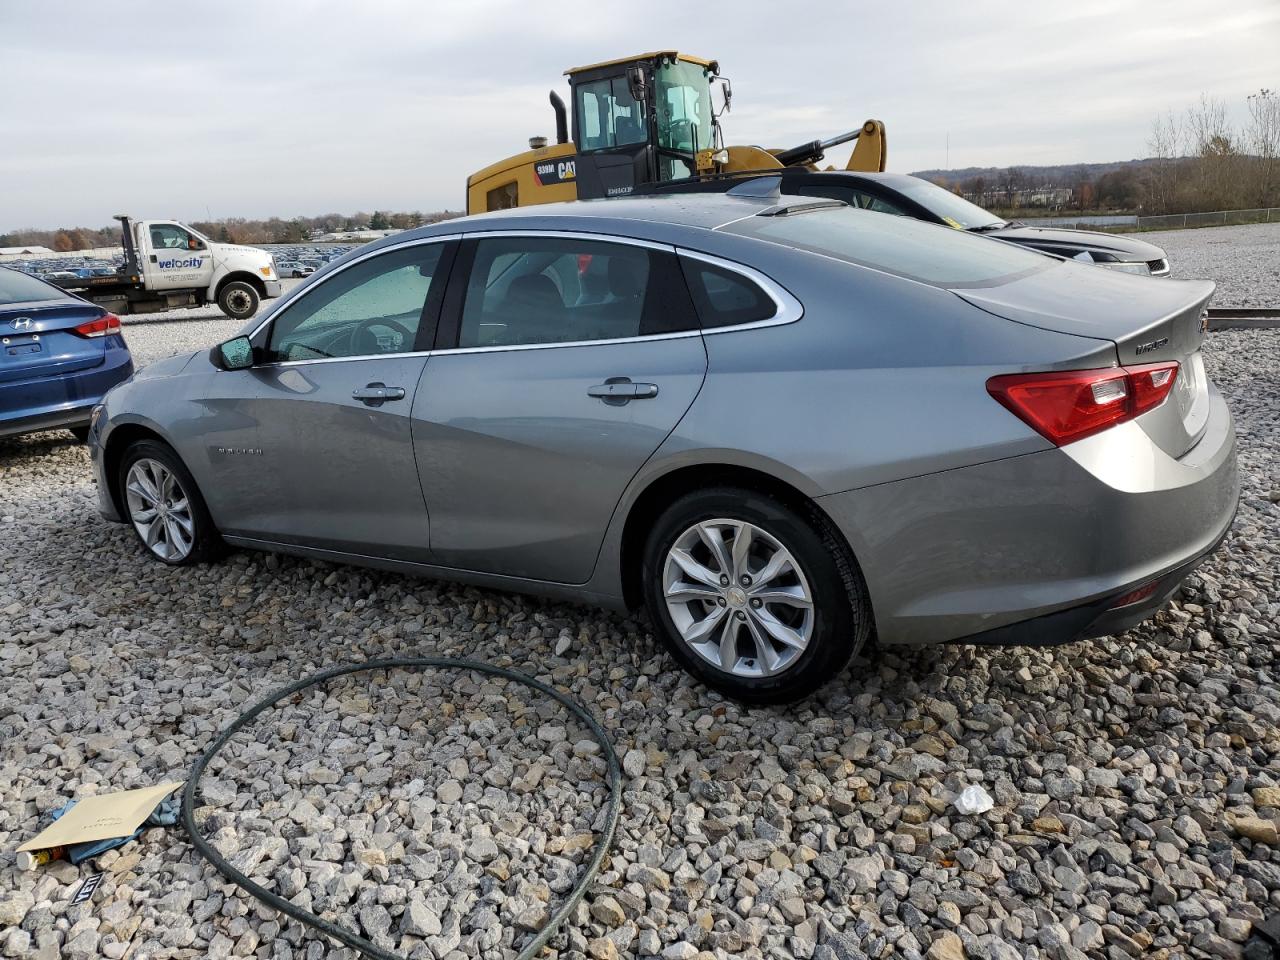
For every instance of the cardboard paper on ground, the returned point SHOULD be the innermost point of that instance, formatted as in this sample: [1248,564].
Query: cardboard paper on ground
[101,817]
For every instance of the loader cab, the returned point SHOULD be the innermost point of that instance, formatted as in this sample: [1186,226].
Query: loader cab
[642,120]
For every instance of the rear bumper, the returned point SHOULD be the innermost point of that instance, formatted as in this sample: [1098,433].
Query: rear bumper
[1099,618]
[63,401]
[1035,549]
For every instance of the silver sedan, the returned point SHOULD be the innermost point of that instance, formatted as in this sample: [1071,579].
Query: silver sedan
[781,424]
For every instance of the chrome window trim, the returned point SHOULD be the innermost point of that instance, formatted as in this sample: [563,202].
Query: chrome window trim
[568,234]
[787,308]
[295,296]
[364,356]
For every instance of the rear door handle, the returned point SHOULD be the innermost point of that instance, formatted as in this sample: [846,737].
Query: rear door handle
[376,394]
[619,390]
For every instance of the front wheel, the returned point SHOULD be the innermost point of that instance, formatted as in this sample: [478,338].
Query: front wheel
[757,599]
[238,300]
[164,506]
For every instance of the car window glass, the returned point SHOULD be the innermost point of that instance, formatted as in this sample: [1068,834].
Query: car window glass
[370,308]
[528,290]
[17,287]
[724,298]
[850,195]
[901,245]
[170,236]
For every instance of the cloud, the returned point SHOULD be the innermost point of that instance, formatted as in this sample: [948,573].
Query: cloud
[297,107]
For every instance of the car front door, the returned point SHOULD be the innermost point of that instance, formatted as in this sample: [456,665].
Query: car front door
[567,361]
[332,403]
[177,258]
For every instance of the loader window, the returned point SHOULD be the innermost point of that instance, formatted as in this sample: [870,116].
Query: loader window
[607,116]
[683,102]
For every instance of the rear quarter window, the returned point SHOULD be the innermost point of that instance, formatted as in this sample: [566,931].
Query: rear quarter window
[724,298]
[931,254]
[17,287]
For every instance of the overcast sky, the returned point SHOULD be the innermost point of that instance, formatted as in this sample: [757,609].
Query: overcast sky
[266,107]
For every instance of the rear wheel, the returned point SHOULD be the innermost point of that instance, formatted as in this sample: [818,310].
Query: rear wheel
[164,506]
[757,599]
[238,300]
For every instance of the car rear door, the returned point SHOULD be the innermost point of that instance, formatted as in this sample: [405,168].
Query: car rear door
[563,363]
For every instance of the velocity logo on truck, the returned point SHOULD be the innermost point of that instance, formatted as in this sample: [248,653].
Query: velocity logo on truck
[191,263]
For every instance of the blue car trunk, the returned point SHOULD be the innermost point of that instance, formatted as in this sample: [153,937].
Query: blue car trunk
[39,340]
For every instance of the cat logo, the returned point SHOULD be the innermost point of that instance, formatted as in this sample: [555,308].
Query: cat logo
[548,172]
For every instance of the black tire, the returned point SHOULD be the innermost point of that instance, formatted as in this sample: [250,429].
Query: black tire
[238,300]
[206,544]
[842,620]
[80,433]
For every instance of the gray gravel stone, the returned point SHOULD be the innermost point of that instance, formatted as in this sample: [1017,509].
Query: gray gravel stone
[447,813]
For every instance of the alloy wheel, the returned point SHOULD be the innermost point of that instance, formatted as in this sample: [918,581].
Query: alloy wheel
[738,597]
[159,509]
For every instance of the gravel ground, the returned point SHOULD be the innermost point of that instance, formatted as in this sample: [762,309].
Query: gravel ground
[1135,779]
[1245,260]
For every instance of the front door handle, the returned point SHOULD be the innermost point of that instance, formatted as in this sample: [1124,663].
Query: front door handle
[376,394]
[619,390]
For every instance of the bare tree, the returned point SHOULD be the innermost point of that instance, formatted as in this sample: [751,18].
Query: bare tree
[1262,140]
[1217,181]
[1166,147]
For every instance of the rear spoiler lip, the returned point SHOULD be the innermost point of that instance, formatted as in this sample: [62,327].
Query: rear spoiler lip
[1196,296]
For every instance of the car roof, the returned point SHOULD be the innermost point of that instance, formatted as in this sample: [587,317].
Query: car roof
[642,216]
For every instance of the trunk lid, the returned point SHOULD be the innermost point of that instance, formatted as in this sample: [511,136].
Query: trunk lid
[1149,321]
[38,339]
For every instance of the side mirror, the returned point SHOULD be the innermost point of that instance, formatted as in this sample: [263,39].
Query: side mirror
[637,86]
[235,354]
[726,91]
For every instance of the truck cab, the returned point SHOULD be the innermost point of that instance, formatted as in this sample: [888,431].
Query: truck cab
[174,257]
[168,264]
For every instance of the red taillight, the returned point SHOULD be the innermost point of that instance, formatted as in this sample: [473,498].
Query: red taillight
[1070,405]
[584,262]
[100,327]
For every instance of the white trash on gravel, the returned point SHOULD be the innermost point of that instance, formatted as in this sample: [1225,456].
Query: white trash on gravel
[973,799]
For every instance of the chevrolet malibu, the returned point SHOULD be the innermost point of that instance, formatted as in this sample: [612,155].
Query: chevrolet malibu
[780,423]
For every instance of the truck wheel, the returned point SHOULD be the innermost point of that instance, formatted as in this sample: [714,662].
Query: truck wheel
[238,300]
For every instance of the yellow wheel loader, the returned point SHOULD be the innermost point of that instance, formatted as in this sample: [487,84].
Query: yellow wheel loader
[640,120]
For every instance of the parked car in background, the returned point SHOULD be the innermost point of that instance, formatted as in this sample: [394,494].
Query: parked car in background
[913,197]
[58,356]
[302,270]
[780,423]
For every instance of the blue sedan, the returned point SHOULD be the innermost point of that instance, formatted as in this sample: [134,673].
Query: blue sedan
[58,356]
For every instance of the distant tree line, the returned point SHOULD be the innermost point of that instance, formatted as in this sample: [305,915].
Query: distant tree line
[234,229]
[1198,162]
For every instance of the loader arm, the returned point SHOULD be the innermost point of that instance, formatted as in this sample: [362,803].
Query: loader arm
[869,153]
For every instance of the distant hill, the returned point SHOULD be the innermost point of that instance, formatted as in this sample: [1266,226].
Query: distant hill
[1060,175]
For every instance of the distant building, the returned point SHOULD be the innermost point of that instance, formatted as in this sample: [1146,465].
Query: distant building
[1052,197]
[356,236]
[31,251]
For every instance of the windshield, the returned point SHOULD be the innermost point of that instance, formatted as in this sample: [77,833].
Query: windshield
[909,248]
[953,209]
[682,99]
[17,287]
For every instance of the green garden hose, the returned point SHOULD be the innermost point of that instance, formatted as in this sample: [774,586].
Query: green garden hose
[340,933]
